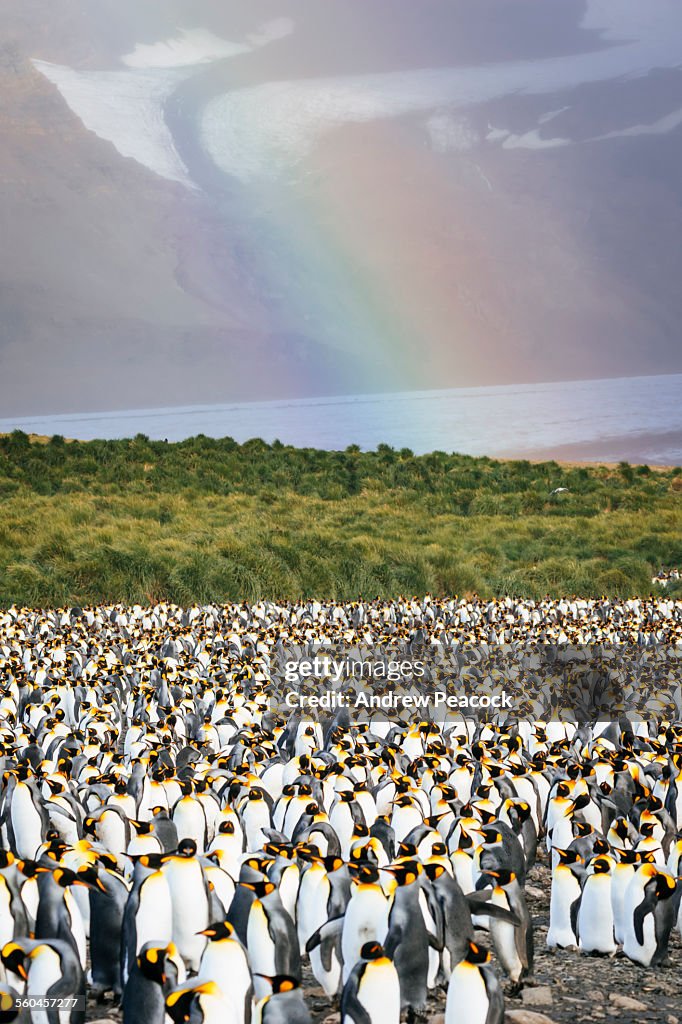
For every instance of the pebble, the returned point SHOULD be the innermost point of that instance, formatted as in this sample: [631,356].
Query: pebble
[527,1017]
[539,996]
[627,1002]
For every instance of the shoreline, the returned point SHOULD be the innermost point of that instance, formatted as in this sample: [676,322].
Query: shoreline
[536,458]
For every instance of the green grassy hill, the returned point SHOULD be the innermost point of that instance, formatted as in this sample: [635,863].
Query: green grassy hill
[204,519]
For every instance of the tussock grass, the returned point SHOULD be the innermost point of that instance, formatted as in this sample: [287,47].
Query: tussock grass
[212,520]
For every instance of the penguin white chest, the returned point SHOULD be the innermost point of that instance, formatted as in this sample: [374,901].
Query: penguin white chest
[26,823]
[379,993]
[595,917]
[467,1001]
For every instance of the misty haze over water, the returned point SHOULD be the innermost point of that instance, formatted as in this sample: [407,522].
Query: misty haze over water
[636,419]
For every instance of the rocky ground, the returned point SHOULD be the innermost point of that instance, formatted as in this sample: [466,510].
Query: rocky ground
[568,987]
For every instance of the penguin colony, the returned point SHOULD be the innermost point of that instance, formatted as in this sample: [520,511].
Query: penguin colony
[170,839]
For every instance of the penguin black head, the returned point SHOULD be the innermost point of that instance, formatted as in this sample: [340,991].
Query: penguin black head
[405,873]
[307,851]
[152,962]
[219,930]
[372,951]
[179,1004]
[364,873]
[13,957]
[601,866]
[6,859]
[600,846]
[628,856]
[280,982]
[260,888]
[279,850]
[150,860]
[433,871]
[64,877]
[407,850]
[477,954]
[88,874]
[568,856]
[332,863]
[186,848]
[522,809]
[620,827]
[502,877]
[226,828]
[665,886]
[465,841]
[582,829]
[491,836]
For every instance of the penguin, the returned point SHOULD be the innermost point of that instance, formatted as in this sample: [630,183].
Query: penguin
[513,942]
[623,871]
[58,914]
[271,938]
[409,942]
[28,819]
[255,817]
[203,1003]
[148,915]
[650,908]
[108,892]
[371,994]
[458,929]
[165,829]
[225,957]
[474,992]
[366,916]
[52,968]
[155,971]
[565,893]
[190,901]
[284,1004]
[595,913]
[189,818]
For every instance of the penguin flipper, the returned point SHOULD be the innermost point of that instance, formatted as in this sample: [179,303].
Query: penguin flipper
[353,1008]
[328,937]
[575,907]
[495,1014]
[640,913]
[393,940]
[350,1004]
[479,902]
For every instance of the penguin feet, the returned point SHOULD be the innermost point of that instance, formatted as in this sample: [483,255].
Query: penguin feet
[415,1015]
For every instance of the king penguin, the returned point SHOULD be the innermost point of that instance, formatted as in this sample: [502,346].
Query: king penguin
[474,992]
[371,994]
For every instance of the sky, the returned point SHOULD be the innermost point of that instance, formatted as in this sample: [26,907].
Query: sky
[205,202]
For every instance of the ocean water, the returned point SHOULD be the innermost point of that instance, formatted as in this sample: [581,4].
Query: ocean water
[635,418]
